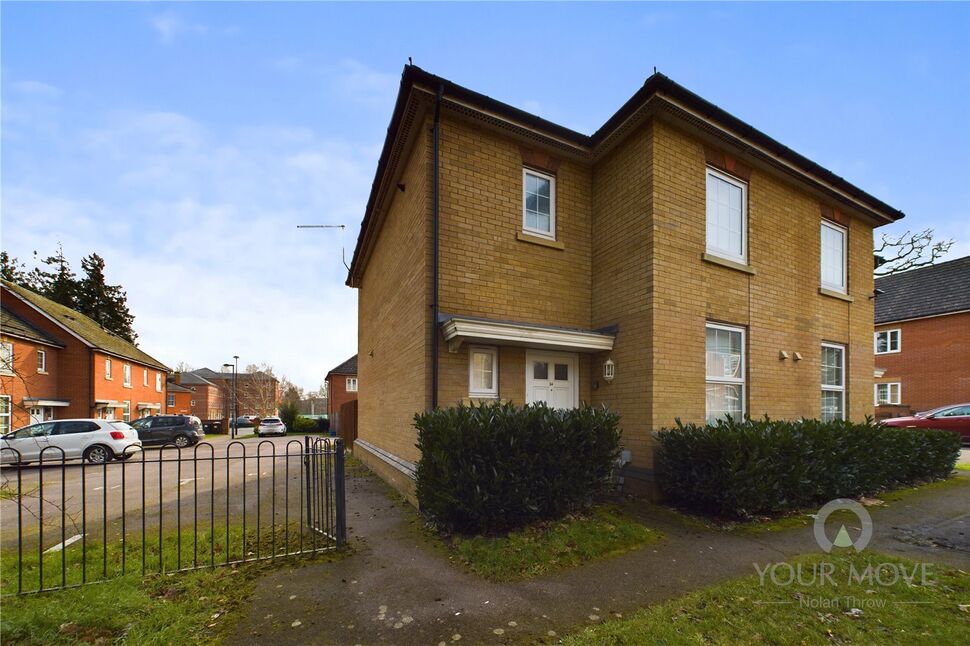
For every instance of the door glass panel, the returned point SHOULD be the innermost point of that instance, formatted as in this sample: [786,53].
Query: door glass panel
[562,372]
[540,370]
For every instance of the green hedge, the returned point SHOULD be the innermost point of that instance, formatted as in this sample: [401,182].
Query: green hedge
[304,425]
[492,467]
[756,467]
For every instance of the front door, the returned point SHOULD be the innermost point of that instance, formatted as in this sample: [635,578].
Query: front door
[553,378]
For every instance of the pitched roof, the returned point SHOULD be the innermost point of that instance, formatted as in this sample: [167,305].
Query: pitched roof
[348,367]
[206,373]
[87,329]
[15,326]
[194,379]
[928,291]
[676,100]
[176,388]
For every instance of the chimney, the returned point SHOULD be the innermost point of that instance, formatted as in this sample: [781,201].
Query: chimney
[178,378]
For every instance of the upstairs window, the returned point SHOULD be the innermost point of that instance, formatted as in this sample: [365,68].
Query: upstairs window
[833,257]
[887,341]
[833,382]
[126,374]
[351,384]
[41,361]
[144,377]
[6,357]
[539,204]
[107,368]
[727,217]
[158,382]
[482,373]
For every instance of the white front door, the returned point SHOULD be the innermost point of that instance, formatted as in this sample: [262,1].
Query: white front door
[36,415]
[553,378]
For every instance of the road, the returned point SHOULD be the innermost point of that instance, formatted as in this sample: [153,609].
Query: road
[215,481]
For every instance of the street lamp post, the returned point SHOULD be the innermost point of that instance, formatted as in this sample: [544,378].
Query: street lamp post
[234,408]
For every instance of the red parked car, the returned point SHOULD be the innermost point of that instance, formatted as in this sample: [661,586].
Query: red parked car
[955,417]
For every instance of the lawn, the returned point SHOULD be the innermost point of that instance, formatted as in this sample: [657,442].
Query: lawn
[965,466]
[183,608]
[548,546]
[742,611]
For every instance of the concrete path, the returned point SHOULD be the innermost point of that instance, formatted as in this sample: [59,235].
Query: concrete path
[398,589]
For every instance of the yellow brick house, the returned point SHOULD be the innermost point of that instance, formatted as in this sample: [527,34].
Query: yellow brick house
[677,263]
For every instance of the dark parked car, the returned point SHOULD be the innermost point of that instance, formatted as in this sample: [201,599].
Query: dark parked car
[180,430]
[245,421]
[955,417]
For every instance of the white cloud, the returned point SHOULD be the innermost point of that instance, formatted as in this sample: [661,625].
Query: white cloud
[36,88]
[199,226]
[170,25]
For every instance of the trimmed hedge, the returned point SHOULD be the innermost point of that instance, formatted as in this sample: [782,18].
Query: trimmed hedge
[492,467]
[755,467]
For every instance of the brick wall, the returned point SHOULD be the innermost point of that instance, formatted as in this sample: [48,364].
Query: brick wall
[114,389]
[26,381]
[183,404]
[338,393]
[393,362]
[208,401]
[932,364]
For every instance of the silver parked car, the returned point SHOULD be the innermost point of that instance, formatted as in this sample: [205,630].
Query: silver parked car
[271,426]
[96,440]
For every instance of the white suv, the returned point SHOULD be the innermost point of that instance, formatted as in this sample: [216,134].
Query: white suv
[271,426]
[96,440]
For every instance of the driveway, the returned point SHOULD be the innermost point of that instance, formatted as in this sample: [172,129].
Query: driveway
[964,456]
[397,588]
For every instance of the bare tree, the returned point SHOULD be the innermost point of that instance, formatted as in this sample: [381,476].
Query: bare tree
[183,366]
[909,251]
[259,389]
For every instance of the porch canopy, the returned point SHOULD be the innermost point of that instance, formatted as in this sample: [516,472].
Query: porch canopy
[35,401]
[461,329]
[148,406]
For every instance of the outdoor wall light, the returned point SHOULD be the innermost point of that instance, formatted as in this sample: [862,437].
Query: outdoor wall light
[609,371]
[797,356]
[782,355]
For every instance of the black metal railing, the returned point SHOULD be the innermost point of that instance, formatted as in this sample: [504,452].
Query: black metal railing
[66,523]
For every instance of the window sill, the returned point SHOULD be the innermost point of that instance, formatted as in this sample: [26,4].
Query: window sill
[730,264]
[834,294]
[42,372]
[542,242]
[490,396]
[127,386]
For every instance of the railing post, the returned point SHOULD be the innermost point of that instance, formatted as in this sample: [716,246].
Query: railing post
[338,476]
[309,489]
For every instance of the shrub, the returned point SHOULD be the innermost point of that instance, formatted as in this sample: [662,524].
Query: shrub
[304,425]
[753,467]
[491,467]
[288,412]
[323,425]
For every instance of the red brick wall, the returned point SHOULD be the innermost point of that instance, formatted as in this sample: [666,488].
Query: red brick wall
[114,388]
[27,381]
[337,394]
[183,404]
[208,402]
[933,364]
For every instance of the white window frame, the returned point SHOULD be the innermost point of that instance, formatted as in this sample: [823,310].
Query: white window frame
[126,411]
[170,400]
[486,393]
[742,369]
[6,358]
[721,253]
[889,341]
[551,233]
[126,375]
[158,382]
[889,393]
[107,369]
[42,361]
[351,384]
[6,416]
[839,389]
[843,288]
[144,377]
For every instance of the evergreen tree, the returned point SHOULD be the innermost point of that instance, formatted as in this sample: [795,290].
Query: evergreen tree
[13,270]
[106,304]
[59,283]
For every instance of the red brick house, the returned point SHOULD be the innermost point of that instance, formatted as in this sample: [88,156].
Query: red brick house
[922,338]
[257,393]
[72,367]
[178,399]
[341,388]
[207,401]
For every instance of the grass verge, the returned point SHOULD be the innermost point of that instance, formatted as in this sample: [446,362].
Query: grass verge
[191,607]
[544,547]
[963,466]
[742,611]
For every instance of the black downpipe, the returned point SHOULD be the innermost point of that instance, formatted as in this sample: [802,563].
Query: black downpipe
[436,130]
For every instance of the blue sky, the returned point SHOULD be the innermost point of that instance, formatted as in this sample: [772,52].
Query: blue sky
[185,142]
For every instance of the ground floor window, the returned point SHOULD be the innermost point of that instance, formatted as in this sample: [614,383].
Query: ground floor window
[4,414]
[724,372]
[126,411]
[483,372]
[888,394]
[171,401]
[833,382]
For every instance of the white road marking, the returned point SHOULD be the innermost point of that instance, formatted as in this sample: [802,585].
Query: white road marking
[60,546]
